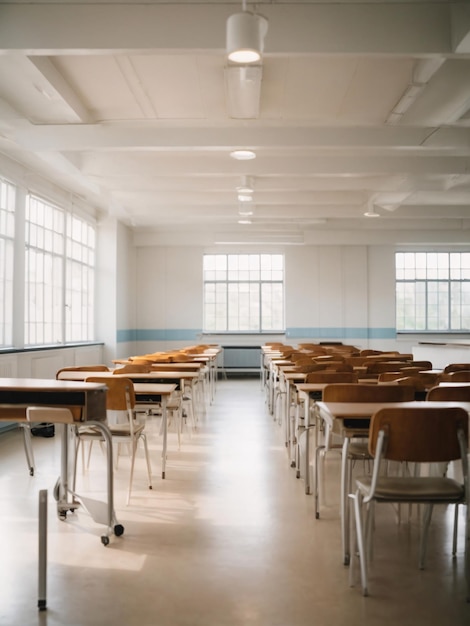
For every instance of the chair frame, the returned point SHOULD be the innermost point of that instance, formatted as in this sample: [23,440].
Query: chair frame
[397,435]
[120,397]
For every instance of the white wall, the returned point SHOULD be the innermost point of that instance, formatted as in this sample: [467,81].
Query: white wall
[343,293]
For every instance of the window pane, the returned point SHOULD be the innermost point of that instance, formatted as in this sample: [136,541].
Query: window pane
[432,290]
[59,276]
[7,234]
[240,296]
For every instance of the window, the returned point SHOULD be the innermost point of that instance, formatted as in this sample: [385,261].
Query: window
[243,292]
[433,291]
[59,275]
[7,236]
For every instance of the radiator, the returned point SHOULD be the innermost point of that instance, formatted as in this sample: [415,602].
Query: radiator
[242,358]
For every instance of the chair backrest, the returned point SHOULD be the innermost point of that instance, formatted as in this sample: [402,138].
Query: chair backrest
[419,435]
[136,368]
[449,394]
[367,393]
[309,368]
[377,367]
[460,376]
[423,365]
[331,377]
[322,358]
[120,395]
[83,368]
[456,367]
[338,366]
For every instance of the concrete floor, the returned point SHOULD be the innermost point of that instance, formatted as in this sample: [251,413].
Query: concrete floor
[229,538]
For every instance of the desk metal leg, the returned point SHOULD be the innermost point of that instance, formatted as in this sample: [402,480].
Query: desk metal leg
[165,434]
[345,480]
[42,564]
[66,497]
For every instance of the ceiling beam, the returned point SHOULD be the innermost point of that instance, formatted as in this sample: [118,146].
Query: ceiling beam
[359,28]
[153,136]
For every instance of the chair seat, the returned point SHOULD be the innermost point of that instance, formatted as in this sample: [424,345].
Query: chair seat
[117,430]
[413,489]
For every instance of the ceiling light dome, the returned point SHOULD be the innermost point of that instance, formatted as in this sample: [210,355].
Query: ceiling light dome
[243,155]
[245,37]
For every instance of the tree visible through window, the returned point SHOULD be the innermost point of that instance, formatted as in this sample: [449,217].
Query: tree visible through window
[433,291]
[243,292]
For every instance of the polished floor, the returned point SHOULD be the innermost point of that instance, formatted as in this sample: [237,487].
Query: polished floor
[227,539]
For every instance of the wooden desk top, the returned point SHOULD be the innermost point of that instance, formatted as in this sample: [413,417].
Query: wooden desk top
[134,376]
[87,401]
[351,410]
[154,388]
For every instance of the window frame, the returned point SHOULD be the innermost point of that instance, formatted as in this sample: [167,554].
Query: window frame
[431,291]
[245,281]
[49,239]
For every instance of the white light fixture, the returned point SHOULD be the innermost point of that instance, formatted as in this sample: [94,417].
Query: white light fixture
[245,36]
[246,185]
[245,212]
[371,212]
[243,155]
[243,90]
[244,221]
[242,197]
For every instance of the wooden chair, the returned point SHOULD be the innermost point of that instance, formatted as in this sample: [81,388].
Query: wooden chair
[301,430]
[411,435]
[83,368]
[449,394]
[459,376]
[353,436]
[134,368]
[120,400]
[456,367]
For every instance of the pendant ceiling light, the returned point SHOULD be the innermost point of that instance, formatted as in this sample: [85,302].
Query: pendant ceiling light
[245,36]
[246,185]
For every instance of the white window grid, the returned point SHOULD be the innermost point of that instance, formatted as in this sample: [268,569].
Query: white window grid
[7,243]
[243,293]
[433,291]
[59,275]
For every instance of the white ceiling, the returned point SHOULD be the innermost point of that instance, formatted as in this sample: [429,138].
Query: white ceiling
[361,105]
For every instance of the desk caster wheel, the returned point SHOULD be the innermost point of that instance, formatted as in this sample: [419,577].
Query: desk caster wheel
[297,474]
[317,515]
[31,471]
[346,559]
[105,540]
[119,530]
[62,515]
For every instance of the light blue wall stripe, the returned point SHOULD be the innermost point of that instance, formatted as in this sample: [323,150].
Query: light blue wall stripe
[191,334]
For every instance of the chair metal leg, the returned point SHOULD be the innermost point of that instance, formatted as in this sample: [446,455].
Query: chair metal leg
[28,448]
[147,458]
[345,480]
[357,498]
[456,527]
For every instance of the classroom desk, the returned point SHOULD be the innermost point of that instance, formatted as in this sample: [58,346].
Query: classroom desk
[174,380]
[87,403]
[151,393]
[308,393]
[288,378]
[330,412]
